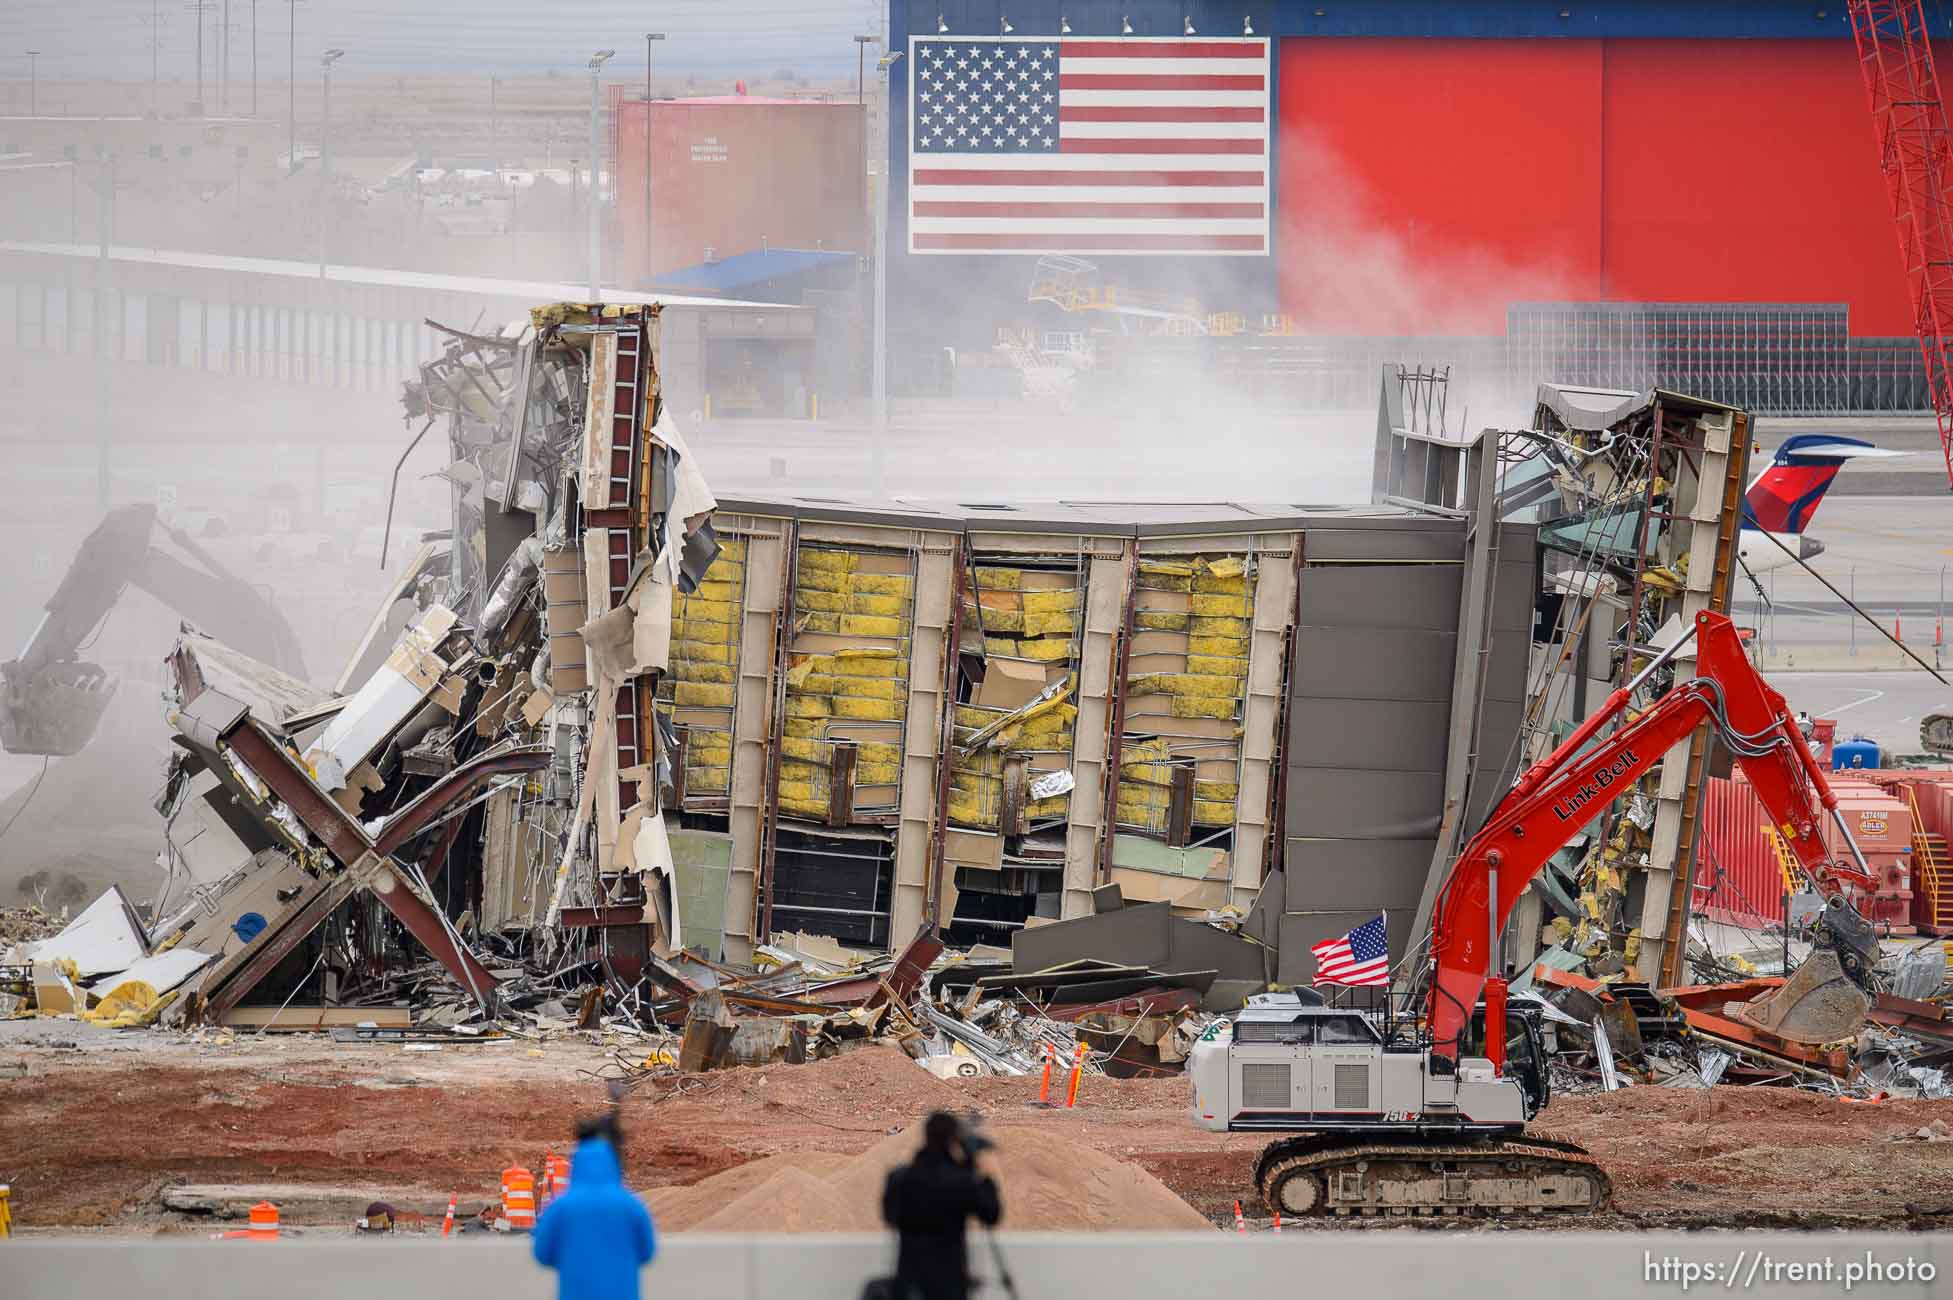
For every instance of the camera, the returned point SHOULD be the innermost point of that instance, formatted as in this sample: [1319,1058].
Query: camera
[972,1138]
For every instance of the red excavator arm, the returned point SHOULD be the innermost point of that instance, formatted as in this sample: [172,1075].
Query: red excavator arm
[1560,794]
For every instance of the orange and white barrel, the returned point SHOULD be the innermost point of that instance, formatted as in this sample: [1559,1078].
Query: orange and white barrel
[519,1198]
[264,1222]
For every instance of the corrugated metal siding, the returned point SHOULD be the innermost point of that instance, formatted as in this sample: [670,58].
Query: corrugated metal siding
[1736,871]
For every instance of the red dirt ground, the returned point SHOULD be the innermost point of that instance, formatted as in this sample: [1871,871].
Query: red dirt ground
[90,1137]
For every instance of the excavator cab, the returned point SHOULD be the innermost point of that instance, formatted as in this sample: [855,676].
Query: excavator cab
[1525,1051]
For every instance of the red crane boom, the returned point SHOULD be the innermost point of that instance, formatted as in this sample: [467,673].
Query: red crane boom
[1564,791]
[1915,154]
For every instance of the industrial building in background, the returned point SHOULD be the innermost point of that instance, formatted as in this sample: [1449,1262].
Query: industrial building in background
[1232,207]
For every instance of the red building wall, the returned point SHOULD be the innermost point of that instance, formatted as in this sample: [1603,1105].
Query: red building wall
[1424,184]
[735,174]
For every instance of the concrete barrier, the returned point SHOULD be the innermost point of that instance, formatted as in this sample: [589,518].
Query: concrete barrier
[1427,1265]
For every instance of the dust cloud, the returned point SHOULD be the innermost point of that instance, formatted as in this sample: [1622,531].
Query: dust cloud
[141,363]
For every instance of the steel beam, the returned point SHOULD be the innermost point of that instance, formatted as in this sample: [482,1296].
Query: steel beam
[457,785]
[358,856]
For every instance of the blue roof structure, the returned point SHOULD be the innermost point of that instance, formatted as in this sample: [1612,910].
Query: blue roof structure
[755,275]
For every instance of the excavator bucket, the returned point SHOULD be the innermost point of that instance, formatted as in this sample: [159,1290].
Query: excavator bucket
[54,711]
[1816,1005]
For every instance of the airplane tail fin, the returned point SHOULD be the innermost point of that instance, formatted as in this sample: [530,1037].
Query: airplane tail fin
[1785,495]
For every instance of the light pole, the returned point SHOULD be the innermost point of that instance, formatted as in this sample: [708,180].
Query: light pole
[326,61]
[33,83]
[197,7]
[494,131]
[880,437]
[254,58]
[291,83]
[649,39]
[597,62]
[861,44]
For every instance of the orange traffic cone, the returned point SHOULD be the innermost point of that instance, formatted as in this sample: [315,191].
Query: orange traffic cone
[1278,1223]
[447,1224]
[264,1222]
[1240,1224]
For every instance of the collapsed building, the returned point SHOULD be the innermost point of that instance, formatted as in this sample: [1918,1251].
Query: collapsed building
[611,731]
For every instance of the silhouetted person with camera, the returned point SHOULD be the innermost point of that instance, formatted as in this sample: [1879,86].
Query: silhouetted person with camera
[929,1201]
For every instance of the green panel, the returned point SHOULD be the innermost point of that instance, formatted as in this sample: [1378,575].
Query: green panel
[1143,854]
[702,863]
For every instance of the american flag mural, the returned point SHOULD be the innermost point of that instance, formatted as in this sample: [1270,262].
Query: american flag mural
[1099,146]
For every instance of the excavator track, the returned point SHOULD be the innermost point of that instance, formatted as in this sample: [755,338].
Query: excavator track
[1324,1175]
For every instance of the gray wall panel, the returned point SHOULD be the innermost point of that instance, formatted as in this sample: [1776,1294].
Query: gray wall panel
[1384,595]
[1137,935]
[1328,803]
[1335,875]
[1372,663]
[1393,735]
[1438,539]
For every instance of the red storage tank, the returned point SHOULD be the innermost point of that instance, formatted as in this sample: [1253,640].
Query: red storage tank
[1881,823]
[733,174]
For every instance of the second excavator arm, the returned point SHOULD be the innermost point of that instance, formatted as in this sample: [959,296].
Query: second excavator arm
[1563,792]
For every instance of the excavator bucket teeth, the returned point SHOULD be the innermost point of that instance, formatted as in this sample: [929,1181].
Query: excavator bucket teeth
[1816,1005]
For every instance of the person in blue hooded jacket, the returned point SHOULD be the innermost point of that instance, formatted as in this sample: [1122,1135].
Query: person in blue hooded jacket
[598,1234]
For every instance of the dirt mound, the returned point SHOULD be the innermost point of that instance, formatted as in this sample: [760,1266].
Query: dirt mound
[1049,1183]
[681,1208]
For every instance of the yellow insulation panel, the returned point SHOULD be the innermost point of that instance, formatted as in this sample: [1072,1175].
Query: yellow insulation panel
[1235,647]
[996,620]
[702,694]
[1051,602]
[869,661]
[704,652]
[892,607]
[882,584]
[1213,812]
[872,625]
[815,559]
[811,600]
[1220,606]
[871,710]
